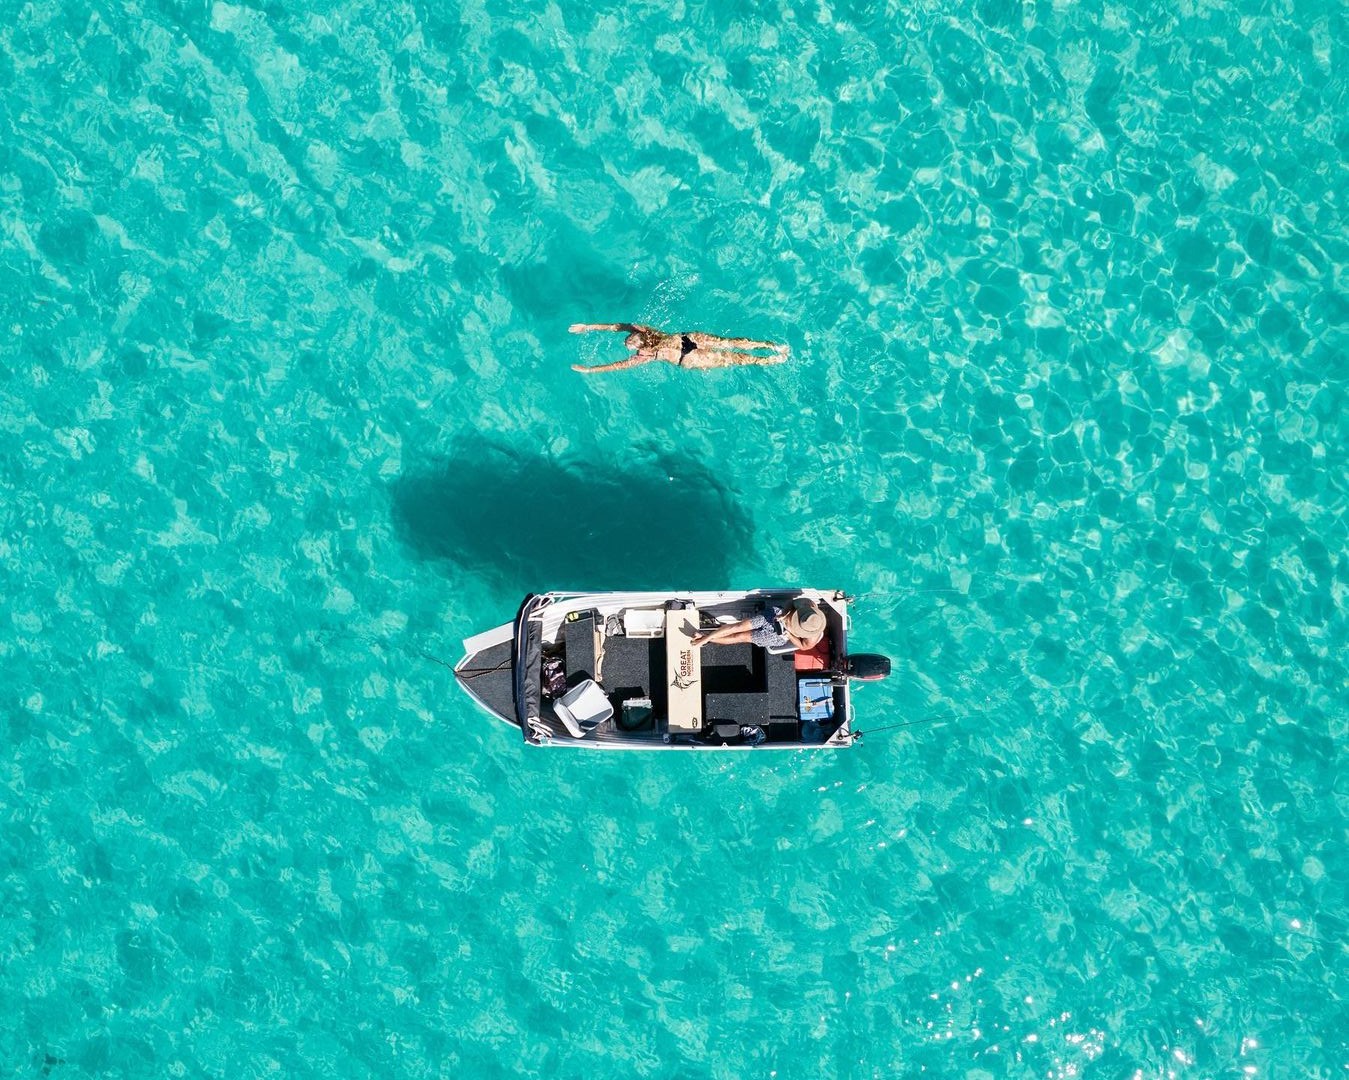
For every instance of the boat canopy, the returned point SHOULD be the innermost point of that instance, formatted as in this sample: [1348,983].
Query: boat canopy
[526,661]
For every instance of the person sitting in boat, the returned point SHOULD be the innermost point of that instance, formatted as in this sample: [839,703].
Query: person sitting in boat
[800,626]
[701,351]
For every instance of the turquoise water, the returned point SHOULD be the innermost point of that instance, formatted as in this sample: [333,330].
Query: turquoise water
[285,295]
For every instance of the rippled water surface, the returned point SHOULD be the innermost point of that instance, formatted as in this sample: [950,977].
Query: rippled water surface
[285,369]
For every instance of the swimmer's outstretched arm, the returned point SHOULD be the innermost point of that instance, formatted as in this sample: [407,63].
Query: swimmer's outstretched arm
[617,365]
[581,328]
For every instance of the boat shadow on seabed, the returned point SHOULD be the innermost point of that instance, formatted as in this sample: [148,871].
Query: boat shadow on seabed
[538,522]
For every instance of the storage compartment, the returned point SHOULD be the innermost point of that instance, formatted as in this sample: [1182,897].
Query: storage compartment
[817,710]
[644,623]
[636,715]
[816,700]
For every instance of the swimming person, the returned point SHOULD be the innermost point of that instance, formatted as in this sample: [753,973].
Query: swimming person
[802,626]
[701,351]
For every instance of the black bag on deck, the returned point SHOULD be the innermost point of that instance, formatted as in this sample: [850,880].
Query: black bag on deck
[554,677]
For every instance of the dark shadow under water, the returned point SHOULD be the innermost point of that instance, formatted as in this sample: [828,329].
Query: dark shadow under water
[539,523]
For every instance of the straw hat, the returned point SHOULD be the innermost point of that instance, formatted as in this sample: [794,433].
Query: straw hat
[805,622]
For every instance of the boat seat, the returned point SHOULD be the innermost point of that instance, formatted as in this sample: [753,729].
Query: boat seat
[815,658]
[583,708]
[807,659]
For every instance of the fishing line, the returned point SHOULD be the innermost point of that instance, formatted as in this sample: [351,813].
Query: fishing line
[469,673]
[891,727]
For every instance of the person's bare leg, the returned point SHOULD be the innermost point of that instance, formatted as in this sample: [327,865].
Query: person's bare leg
[711,341]
[702,359]
[737,633]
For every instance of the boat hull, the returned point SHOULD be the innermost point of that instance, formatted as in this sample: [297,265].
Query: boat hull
[625,660]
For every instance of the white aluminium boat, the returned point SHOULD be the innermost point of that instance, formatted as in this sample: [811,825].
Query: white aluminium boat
[618,670]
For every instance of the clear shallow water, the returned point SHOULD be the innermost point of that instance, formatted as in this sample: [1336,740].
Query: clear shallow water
[286,295]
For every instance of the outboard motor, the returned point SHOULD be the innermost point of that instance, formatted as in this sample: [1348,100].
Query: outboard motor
[867,667]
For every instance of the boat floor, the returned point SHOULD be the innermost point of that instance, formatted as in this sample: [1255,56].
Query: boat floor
[742,685]
[488,676]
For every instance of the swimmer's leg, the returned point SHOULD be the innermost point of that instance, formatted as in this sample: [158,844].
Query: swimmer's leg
[703,359]
[711,341]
